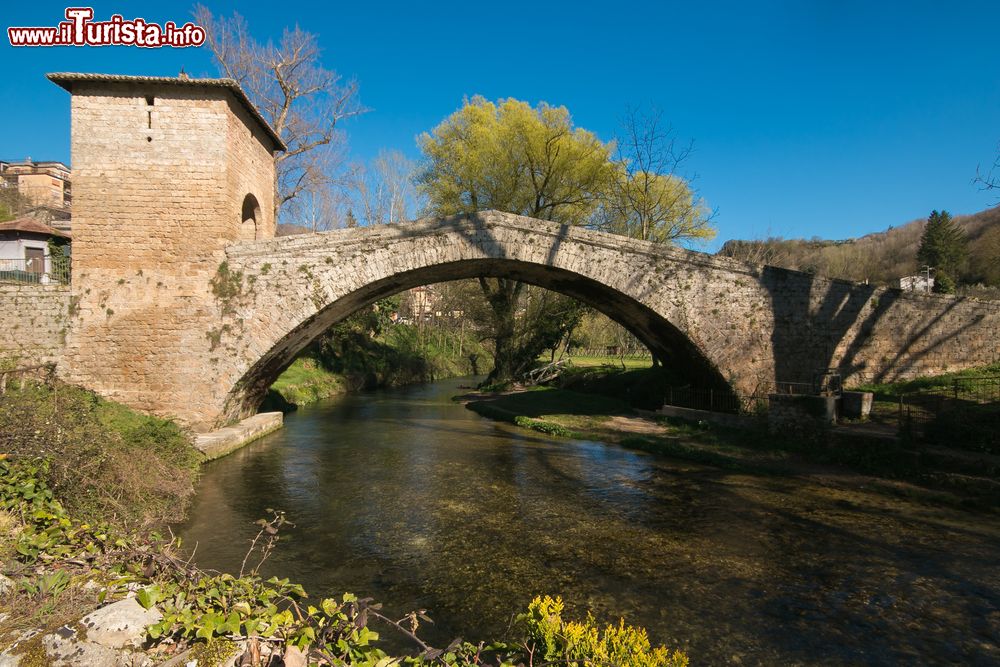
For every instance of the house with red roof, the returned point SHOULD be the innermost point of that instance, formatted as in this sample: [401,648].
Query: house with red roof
[32,251]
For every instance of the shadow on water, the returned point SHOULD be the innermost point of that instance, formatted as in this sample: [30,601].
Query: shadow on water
[408,497]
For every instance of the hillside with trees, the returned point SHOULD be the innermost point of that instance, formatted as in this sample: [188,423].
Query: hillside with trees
[883,258]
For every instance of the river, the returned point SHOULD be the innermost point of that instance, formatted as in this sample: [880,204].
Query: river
[407,497]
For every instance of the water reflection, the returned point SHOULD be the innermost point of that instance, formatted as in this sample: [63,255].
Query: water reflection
[411,499]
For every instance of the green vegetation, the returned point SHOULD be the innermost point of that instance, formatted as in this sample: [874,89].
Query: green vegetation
[108,463]
[944,248]
[533,161]
[568,642]
[55,555]
[942,384]
[227,286]
[641,386]
[306,381]
[80,478]
[351,356]
[511,157]
[12,203]
[884,257]
[592,360]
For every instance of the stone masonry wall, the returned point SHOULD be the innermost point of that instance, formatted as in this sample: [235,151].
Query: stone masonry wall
[177,319]
[249,169]
[153,210]
[33,323]
[873,334]
[715,319]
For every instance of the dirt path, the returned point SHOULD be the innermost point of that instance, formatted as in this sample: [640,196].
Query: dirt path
[637,425]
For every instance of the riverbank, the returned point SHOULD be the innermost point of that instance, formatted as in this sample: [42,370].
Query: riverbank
[86,577]
[469,517]
[949,478]
[398,356]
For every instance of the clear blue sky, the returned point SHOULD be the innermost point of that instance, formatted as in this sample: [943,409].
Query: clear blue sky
[828,118]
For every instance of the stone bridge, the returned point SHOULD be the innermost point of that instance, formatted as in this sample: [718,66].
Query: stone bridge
[184,304]
[205,347]
[720,322]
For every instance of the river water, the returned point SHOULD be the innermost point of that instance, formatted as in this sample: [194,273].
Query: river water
[407,497]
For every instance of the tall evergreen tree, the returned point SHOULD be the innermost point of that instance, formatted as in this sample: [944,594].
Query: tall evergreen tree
[943,247]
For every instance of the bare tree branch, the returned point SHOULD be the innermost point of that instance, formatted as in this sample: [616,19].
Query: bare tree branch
[302,101]
[650,198]
[991,179]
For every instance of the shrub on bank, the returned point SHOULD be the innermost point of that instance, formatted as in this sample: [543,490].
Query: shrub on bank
[106,462]
[557,641]
[350,358]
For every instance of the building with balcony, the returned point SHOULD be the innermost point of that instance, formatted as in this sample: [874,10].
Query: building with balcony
[46,184]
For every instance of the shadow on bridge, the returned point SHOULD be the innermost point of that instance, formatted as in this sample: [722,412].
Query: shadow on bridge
[808,331]
[666,341]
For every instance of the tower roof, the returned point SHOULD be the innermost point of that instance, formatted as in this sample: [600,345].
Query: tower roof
[67,80]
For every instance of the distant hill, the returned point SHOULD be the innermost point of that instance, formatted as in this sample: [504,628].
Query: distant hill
[881,258]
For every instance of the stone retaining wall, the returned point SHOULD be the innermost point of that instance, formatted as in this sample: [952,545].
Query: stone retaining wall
[34,320]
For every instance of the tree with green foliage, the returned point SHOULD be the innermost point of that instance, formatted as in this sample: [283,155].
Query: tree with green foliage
[648,198]
[984,258]
[532,161]
[943,247]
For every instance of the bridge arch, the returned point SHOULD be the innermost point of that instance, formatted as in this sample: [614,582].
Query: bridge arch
[294,288]
[174,310]
[665,340]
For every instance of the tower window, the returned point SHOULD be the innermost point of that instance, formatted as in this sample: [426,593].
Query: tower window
[248,218]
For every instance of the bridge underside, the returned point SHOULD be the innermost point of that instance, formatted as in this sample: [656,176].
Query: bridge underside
[662,338]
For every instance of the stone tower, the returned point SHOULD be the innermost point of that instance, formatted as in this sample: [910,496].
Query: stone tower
[166,173]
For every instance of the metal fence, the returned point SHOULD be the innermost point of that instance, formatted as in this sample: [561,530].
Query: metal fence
[48,271]
[725,400]
[917,408]
[610,351]
[698,398]
[982,389]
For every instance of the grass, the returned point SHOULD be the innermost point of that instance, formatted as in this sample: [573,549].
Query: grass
[400,355]
[589,362]
[108,462]
[936,384]
[306,381]
[638,387]
[110,467]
